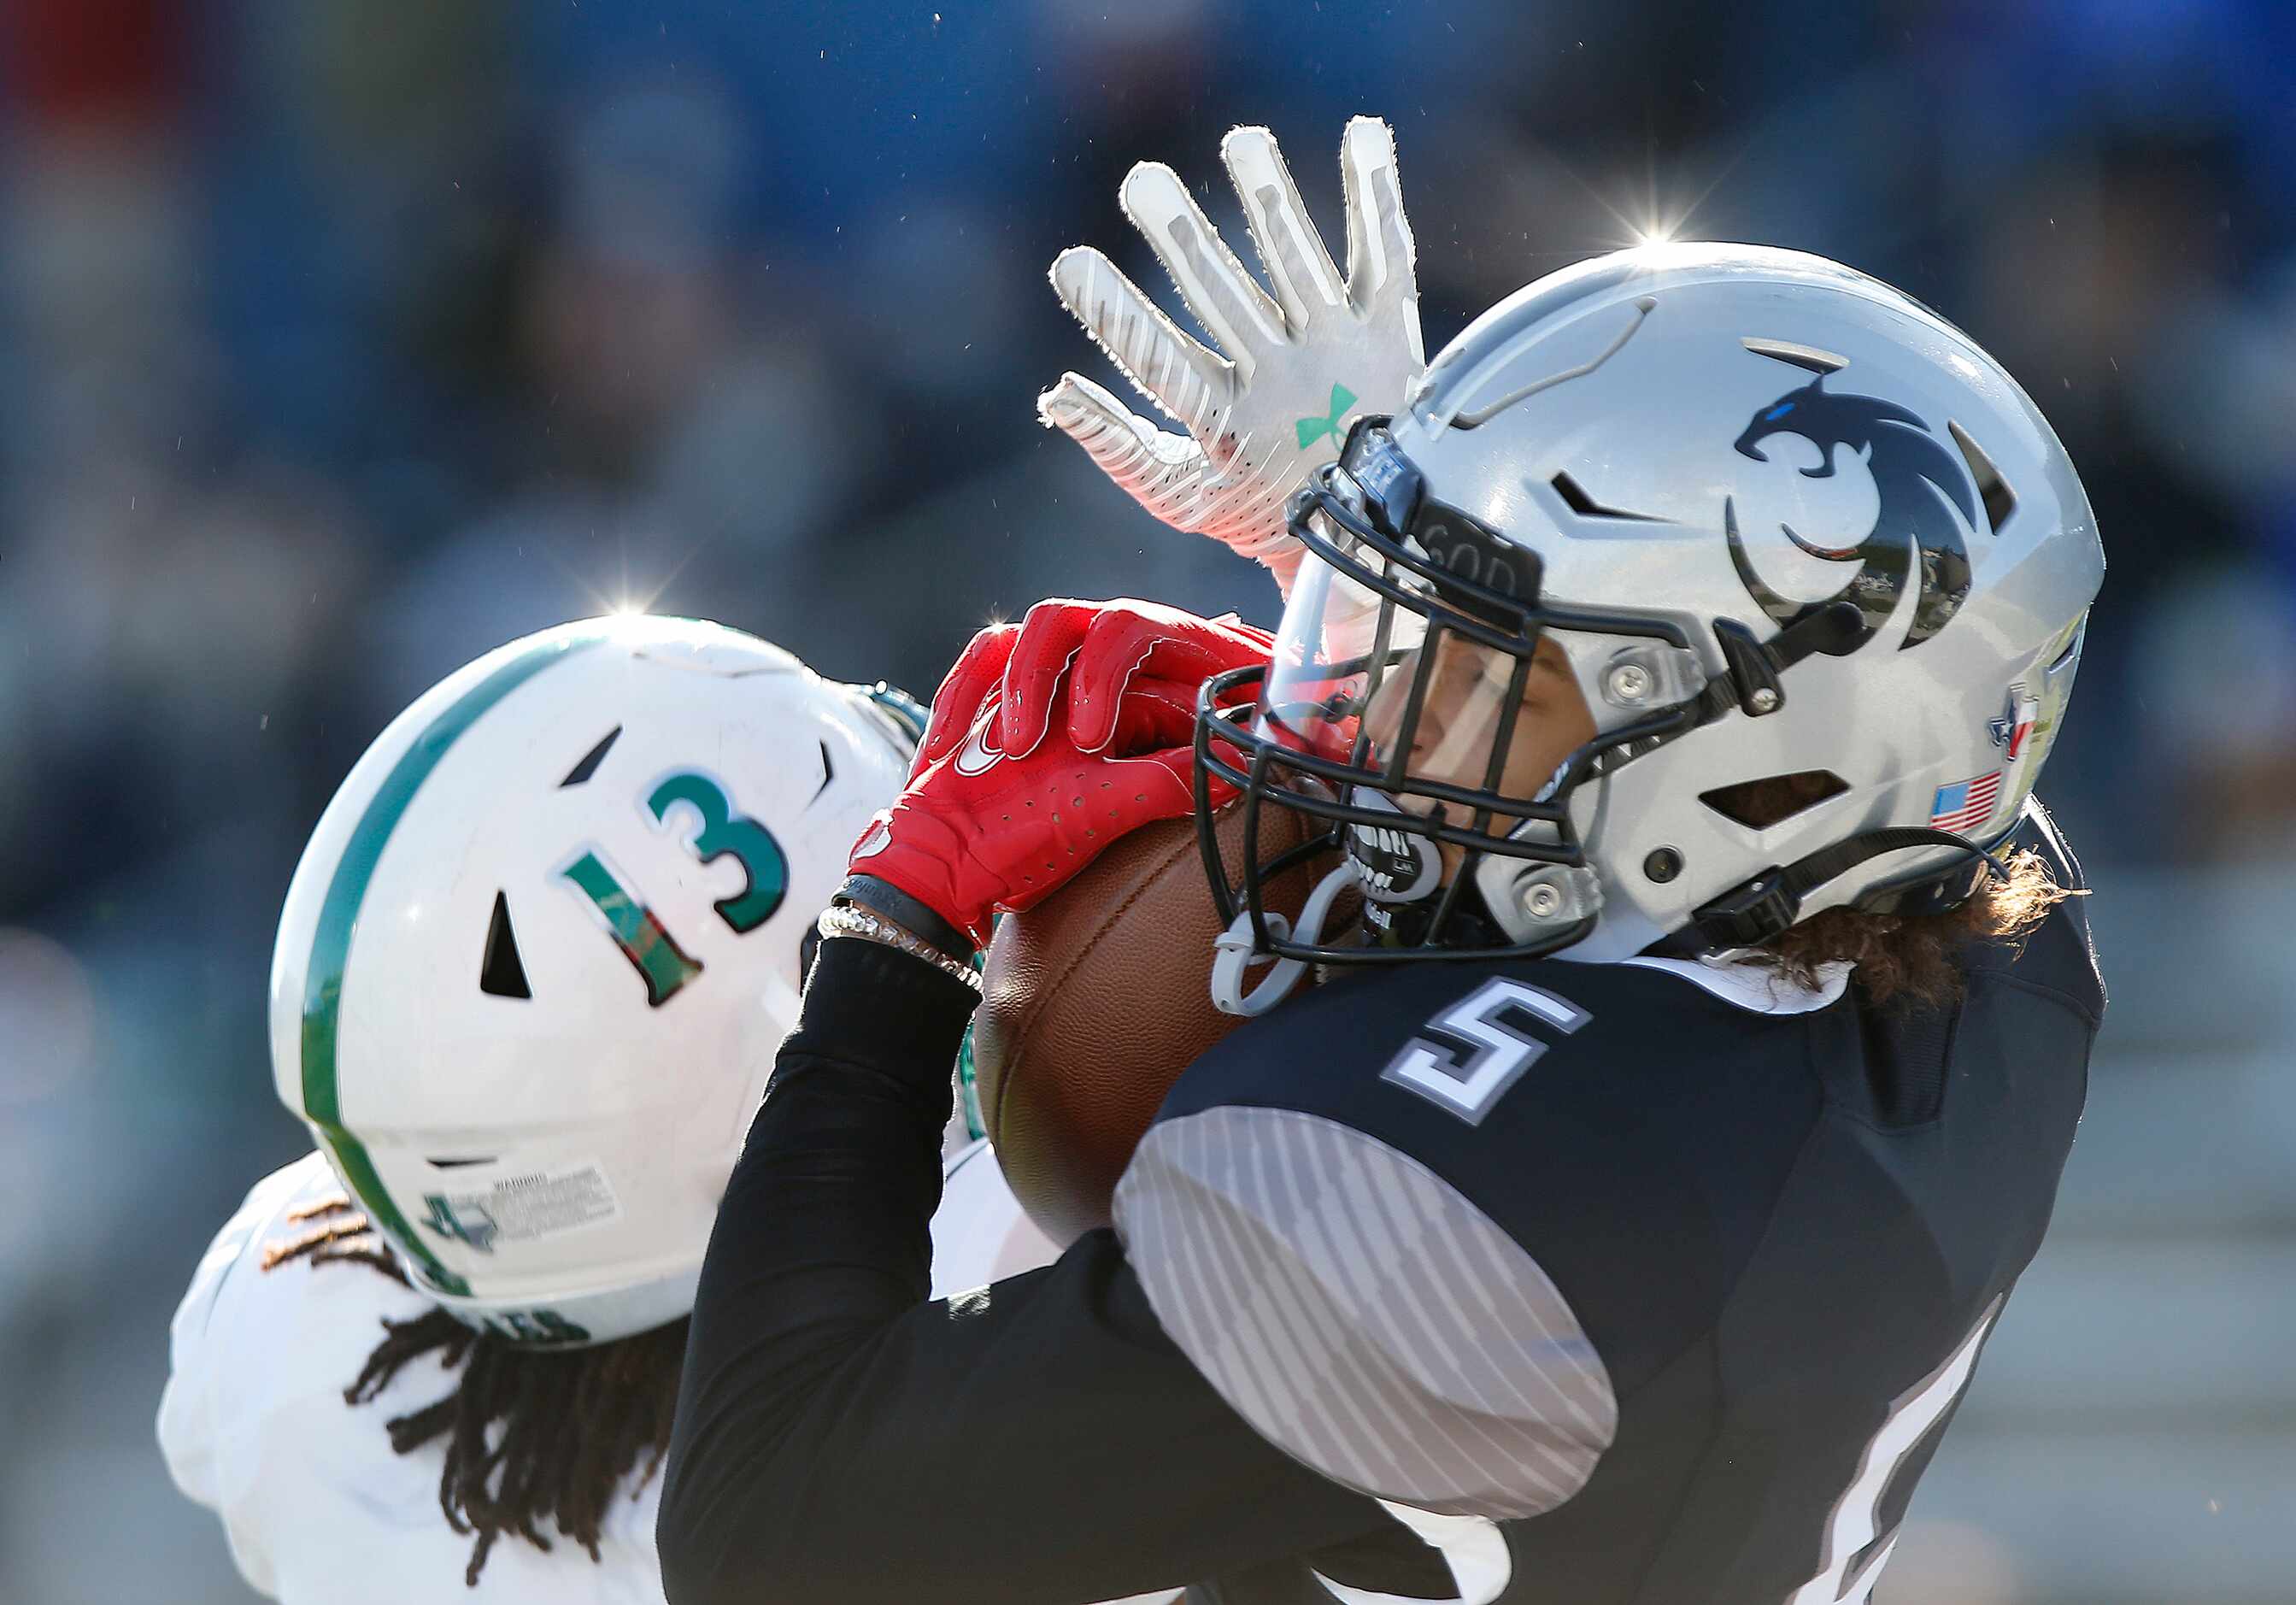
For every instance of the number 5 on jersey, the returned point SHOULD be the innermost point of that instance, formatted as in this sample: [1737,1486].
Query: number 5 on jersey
[695,808]
[1469,1084]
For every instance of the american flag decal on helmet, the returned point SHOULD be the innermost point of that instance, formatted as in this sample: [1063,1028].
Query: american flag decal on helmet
[1965,804]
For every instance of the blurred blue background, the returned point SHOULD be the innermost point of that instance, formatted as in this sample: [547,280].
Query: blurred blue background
[343,340]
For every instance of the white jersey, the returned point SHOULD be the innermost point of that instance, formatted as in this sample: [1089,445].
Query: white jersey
[317,1508]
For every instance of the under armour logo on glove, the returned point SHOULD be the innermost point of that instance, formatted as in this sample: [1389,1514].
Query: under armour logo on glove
[1230,475]
[1312,430]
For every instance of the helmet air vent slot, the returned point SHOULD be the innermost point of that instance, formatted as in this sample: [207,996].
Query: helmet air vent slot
[1999,500]
[1808,358]
[1758,804]
[501,974]
[1574,497]
[591,760]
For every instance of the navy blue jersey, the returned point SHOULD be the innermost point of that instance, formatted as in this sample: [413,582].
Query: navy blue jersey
[1527,1281]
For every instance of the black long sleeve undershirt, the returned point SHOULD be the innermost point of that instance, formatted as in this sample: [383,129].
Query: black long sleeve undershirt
[838,1437]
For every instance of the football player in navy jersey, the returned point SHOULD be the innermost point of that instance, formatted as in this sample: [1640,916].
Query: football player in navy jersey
[1621,1220]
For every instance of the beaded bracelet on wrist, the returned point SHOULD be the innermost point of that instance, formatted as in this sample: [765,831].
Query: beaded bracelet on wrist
[911,914]
[847,919]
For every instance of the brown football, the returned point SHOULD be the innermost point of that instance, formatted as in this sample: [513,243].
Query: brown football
[1095,1000]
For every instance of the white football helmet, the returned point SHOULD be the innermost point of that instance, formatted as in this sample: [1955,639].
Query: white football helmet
[536,959]
[1786,523]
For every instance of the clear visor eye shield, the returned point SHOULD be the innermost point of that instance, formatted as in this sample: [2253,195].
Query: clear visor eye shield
[1390,710]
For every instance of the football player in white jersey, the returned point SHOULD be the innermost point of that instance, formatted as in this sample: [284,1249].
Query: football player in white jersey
[527,984]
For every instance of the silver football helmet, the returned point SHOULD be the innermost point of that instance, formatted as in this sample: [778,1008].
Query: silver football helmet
[1784,525]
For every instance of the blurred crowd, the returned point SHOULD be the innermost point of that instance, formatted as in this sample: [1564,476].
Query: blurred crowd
[343,340]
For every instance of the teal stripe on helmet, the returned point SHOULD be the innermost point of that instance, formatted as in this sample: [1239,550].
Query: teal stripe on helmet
[330,946]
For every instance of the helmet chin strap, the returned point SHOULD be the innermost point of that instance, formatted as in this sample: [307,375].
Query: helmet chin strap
[1763,908]
[1746,916]
[1232,949]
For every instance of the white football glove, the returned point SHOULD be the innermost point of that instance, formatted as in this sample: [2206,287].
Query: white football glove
[1271,403]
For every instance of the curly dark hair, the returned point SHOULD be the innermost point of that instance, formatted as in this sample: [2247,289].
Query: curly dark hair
[575,1423]
[1911,957]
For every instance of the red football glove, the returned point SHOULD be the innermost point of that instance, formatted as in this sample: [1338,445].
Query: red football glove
[1102,646]
[1049,740]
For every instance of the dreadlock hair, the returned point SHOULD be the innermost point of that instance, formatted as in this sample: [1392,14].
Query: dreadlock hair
[1908,957]
[574,1422]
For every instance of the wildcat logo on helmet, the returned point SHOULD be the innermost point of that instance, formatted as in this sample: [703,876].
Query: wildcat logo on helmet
[1922,482]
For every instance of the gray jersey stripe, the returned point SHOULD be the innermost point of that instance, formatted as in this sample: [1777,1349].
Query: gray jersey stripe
[1158,1223]
[1176,1232]
[1405,1428]
[1188,1225]
[1348,1259]
[1559,1357]
[1314,1372]
[1186,1319]
[1470,1376]
[1326,1382]
[1402,1240]
[1243,1328]
[1362,1314]
[1250,1289]
[1328,1267]
[1375,1249]
[1476,1372]
[1505,1308]
[1259,1275]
